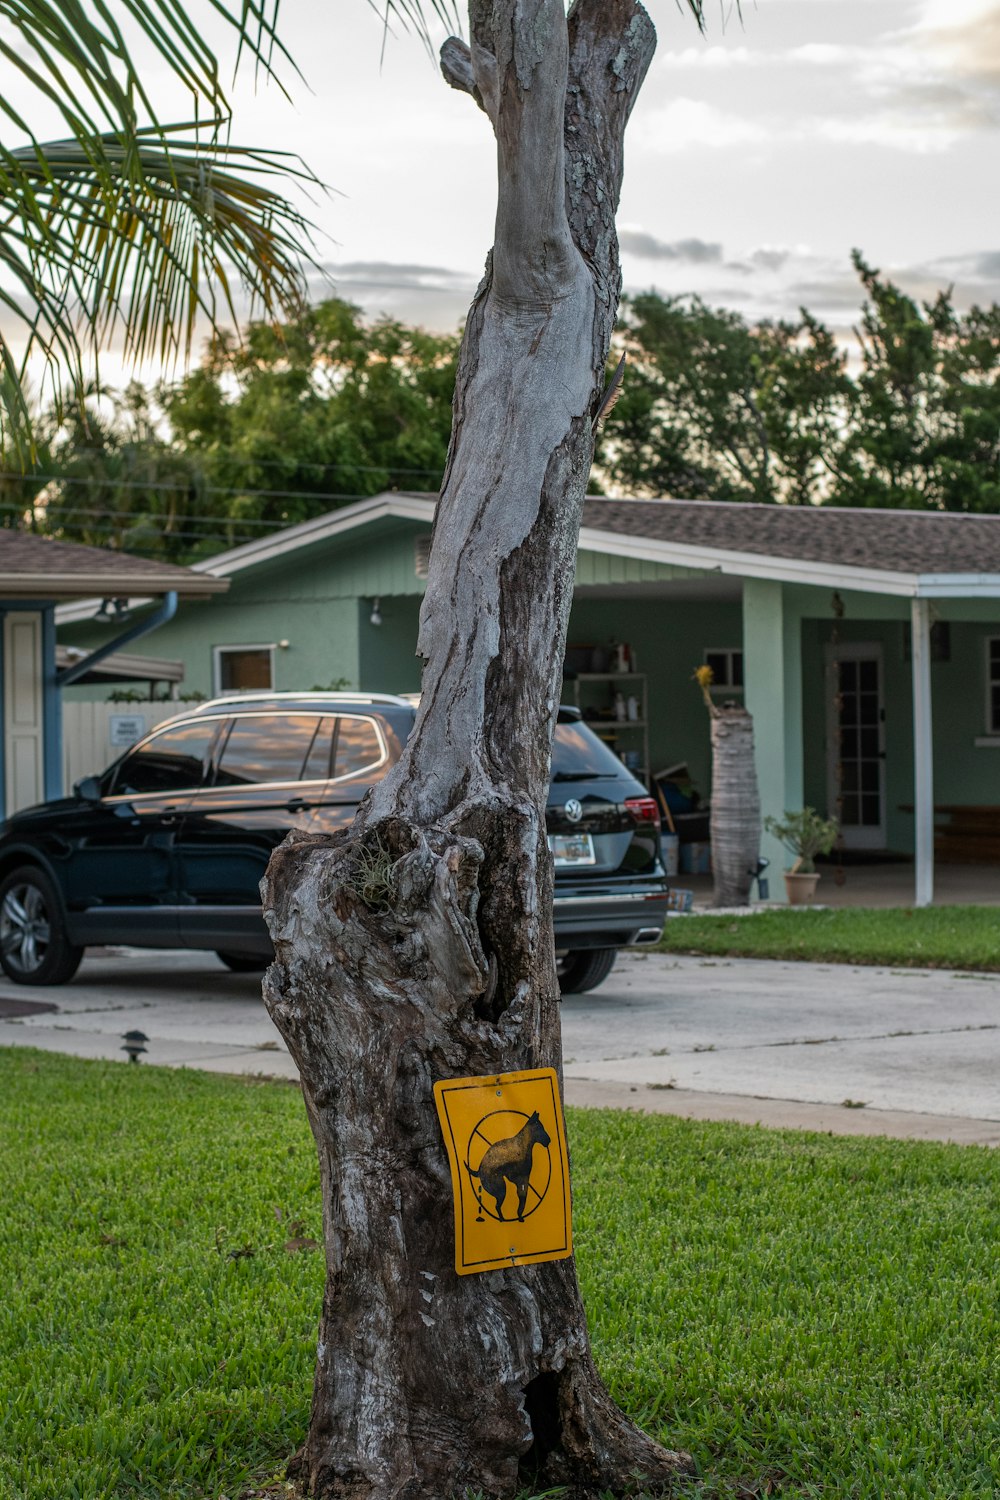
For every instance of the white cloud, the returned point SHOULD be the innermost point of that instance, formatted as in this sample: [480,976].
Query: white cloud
[691,122]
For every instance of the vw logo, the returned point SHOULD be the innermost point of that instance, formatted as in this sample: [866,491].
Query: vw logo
[573,810]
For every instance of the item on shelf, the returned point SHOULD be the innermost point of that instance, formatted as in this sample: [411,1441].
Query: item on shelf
[632,707]
[579,659]
[696,859]
[670,852]
[620,708]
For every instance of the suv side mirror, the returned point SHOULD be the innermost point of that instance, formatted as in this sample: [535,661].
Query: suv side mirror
[88,789]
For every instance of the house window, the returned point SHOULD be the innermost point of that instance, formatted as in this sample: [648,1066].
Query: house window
[726,663]
[243,669]
[993,685]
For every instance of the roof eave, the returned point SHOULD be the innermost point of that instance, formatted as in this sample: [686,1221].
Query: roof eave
[105,586]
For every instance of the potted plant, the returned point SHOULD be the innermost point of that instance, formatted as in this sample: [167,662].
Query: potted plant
[805,834]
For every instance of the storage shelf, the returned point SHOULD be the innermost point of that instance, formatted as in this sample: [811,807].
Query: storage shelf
[587,694]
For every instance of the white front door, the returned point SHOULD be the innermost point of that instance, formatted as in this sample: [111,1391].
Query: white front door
[855,742]
[23,710]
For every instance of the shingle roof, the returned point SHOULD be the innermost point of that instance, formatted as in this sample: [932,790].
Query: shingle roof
[894,541]
[38,566]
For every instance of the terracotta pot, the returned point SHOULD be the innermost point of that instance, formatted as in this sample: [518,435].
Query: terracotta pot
[801,889]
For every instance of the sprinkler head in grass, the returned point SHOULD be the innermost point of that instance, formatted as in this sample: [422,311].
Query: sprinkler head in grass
[134,1044]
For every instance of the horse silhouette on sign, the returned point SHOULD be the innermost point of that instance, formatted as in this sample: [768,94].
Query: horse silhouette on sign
[510,1160]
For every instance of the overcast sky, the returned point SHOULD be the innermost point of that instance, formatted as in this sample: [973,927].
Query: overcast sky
[757,156]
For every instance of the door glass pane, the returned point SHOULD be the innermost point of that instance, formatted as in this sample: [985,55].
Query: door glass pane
[244,669]
[266,749]
[868,676]
[869,776]
[848,675]
[737,669]
[869,742]
[358,747]
[868,708]
[850,810]
[172,761]
[870,811]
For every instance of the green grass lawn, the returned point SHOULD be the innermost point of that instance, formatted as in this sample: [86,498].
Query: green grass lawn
[817,1314]
[938,937]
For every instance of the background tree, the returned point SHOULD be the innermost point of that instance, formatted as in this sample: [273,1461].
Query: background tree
[294,418]
[417,946]
[714,409]
[923,428]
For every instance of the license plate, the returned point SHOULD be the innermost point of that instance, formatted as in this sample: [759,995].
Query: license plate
[572,849]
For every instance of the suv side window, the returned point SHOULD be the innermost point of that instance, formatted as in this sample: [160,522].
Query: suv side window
[173,761]
[317,762]
[267,747]
[358,746]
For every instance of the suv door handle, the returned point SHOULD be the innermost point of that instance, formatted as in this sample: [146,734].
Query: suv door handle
[298,804]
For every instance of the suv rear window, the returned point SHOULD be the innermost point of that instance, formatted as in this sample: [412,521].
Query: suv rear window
[577,751]
[358,746]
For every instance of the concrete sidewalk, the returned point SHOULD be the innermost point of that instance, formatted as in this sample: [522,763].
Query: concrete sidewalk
[867,1051]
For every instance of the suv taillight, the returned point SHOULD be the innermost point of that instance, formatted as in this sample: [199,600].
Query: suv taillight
[644,810]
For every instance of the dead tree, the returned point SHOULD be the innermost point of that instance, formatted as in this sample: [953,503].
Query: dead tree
[418,945]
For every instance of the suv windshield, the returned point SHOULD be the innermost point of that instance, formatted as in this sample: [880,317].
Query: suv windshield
[578,753]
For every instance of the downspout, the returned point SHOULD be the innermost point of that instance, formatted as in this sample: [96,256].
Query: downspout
[162,616]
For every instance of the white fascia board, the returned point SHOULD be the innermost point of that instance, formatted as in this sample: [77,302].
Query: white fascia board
[319,529]
[958,586]
[749,564]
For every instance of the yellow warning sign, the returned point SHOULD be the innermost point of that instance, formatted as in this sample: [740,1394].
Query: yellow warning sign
[509,1169]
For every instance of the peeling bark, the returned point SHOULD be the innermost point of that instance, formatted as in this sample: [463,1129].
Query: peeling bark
[735,816]
[418,945]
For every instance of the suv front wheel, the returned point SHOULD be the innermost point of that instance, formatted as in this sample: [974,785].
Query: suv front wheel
[34,948]
[585,969]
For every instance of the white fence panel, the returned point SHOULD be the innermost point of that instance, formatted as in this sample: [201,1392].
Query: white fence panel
[95,734]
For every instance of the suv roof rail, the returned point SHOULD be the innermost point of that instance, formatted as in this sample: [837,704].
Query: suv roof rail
[318,695]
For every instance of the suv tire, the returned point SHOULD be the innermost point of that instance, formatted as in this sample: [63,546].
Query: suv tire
[243,963]
[34,948]
[585,969]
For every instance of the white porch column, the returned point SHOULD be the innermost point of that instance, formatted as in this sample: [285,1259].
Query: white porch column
[923,752]
[772,674]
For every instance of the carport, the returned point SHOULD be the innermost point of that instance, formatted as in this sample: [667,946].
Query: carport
[36,573]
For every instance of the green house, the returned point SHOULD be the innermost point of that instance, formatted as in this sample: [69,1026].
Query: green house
[866,644]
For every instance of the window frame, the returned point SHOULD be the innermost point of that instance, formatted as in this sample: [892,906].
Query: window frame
[730,653]
[218,691]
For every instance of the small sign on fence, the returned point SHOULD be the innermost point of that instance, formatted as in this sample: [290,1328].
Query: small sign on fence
[509,1169]
[125,730]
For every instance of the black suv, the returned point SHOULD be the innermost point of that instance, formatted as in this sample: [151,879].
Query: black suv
[166,849]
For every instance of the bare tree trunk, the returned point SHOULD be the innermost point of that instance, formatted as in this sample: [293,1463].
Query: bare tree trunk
[418,946]
[735,818]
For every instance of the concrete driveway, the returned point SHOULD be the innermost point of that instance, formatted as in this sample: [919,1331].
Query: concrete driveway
[851,1050]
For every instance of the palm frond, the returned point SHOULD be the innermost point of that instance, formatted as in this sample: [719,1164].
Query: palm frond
[137,238]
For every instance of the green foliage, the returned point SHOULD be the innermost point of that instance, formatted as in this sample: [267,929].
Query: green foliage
[813,1314]
[714,408]
[945,937]
[293,421]
[805,834]
[320,409]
